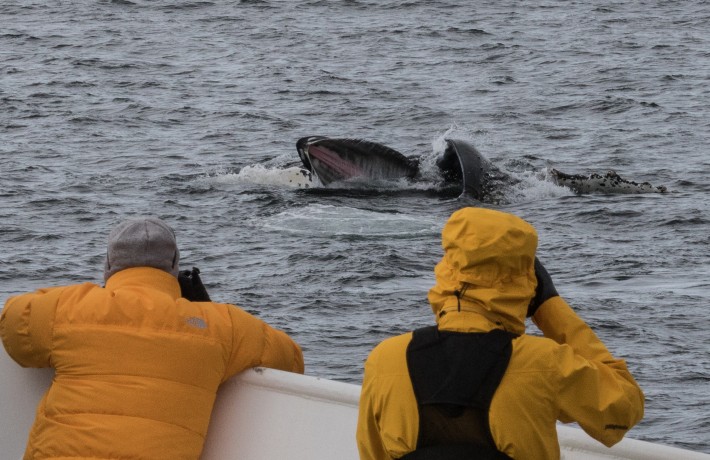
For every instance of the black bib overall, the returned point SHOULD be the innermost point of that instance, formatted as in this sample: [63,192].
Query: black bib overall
[454,376]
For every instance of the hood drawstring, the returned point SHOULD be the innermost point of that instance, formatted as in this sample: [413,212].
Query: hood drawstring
[458,295]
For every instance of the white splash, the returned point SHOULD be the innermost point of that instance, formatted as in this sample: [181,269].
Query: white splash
[293,177]
[329,220]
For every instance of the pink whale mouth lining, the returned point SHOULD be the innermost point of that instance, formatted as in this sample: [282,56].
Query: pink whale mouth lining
[344,168]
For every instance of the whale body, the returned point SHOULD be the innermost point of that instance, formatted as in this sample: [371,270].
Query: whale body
[461,166]
[610,182]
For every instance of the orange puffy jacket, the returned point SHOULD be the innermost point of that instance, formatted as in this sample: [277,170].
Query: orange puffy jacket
[137,366]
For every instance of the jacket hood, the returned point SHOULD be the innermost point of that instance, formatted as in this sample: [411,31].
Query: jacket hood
[486,278]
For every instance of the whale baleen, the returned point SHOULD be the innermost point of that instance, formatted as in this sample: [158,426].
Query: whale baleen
[333,160]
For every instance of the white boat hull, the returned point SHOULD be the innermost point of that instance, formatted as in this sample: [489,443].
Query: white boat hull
[264,414]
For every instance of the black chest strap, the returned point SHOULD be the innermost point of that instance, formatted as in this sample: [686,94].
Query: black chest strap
[454,376]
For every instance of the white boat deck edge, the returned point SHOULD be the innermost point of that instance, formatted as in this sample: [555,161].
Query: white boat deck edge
[265,414]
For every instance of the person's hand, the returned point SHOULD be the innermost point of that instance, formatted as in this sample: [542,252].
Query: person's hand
[545,288]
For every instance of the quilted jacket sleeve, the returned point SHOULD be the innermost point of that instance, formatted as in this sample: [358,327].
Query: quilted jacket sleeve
[255,343]
[26,326]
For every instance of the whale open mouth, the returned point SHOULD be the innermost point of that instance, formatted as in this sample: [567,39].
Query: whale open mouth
[330,166]
[462,168]
[335,160]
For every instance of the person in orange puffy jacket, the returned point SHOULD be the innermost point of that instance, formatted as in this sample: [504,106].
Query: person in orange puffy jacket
[475,385]
[137,365]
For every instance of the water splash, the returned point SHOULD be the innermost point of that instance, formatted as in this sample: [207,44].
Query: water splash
[327,221]
[258,174]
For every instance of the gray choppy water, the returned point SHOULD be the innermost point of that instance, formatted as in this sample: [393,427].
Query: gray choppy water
[192,111]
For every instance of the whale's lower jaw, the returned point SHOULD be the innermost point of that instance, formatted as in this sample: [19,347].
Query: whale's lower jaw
[611,182]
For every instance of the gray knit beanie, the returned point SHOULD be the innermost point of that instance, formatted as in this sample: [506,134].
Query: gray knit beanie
[144,242]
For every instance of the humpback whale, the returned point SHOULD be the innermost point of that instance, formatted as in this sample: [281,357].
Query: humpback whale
[461,166]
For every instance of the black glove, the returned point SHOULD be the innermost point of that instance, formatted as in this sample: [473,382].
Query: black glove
[191,285]
[545,288]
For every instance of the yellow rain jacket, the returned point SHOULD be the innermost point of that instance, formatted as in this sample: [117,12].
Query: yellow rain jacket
[568,375]
[137,366]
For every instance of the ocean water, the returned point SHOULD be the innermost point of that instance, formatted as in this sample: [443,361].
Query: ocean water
[191,111]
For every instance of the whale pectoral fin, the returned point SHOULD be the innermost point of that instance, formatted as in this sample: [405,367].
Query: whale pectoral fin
[472,167]
[450,166]
[478,177]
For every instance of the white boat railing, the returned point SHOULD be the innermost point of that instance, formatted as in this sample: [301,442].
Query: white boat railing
[265,414]
[321,416]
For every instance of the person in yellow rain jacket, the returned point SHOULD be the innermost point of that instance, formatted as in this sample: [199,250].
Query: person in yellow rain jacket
[474,385]
[137,365]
